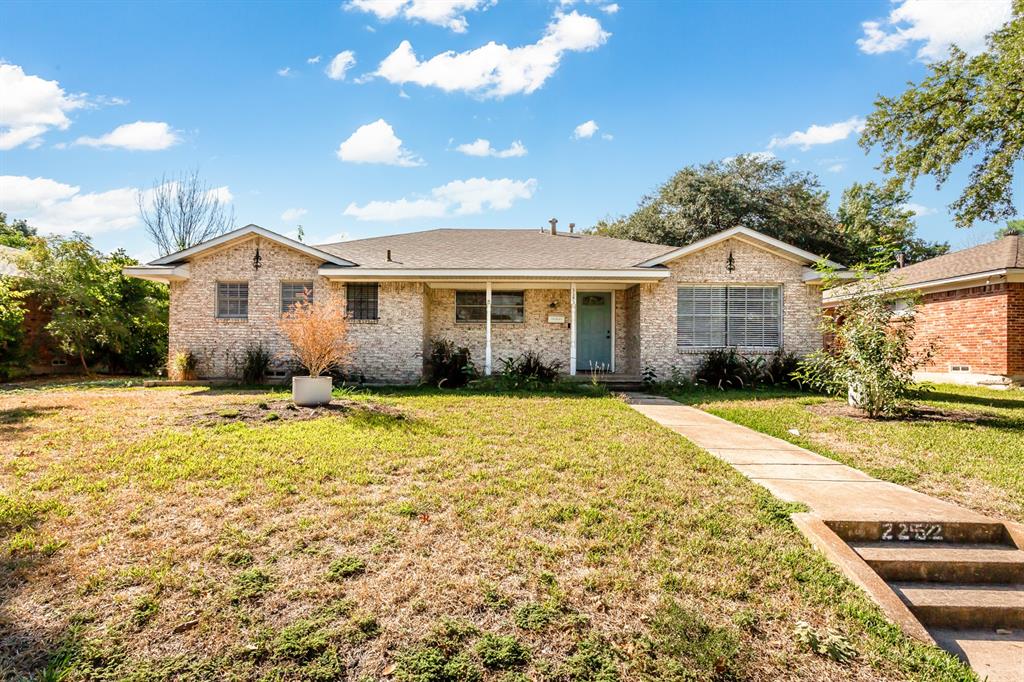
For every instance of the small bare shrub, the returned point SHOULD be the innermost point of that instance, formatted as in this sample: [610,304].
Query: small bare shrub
[185,365]
[317,332]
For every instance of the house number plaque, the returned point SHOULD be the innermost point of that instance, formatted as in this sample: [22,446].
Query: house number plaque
[912,532]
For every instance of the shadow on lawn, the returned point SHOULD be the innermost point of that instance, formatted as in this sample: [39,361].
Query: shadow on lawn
[1009,403]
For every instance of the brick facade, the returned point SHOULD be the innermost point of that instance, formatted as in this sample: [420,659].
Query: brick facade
[980,328]
[411,314]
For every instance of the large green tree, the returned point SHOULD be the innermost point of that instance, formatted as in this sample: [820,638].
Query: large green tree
[17,233]
[870,214]
[12,329]
[1011,227]
[97,314]
[752,191]
[967,109]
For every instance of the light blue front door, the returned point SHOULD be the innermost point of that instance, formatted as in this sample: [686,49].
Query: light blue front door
[593,331]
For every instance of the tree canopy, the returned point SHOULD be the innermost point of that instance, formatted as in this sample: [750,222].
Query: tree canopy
[966,109]
[17,234]
[759,193]
[1011,227]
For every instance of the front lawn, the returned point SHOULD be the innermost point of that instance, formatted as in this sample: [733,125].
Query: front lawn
[964,444]
[196,534]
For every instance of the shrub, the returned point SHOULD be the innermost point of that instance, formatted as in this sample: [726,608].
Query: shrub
[255,364]
[781,368]
[317,332]
[12,330]
[721,368]
[185,365]
[529,370]
[450,366]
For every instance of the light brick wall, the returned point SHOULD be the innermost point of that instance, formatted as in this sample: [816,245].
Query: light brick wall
[801,304]
[390,350]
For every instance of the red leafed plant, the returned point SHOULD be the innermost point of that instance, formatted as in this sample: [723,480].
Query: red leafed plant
[317,331]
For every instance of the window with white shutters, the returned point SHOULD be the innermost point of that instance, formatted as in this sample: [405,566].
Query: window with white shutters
[716,316]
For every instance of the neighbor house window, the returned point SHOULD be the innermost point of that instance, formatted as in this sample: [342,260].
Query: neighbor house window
[293,292]
[713,317]
[361,301]
[506,306]
[233,300]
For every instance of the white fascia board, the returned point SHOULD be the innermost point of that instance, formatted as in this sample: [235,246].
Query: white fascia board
[247,231]
[812,276]
[651,275]
[976,279]
[158,273]
[740,232]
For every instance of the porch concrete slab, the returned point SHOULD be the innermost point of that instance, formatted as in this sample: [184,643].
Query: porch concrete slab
[995,656]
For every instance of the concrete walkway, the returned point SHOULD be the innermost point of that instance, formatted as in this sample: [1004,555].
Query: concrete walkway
[835,492]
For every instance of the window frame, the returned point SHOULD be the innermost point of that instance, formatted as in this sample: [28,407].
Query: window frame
[366,314]
[217,300]
[520,307]
[295,297]
[725,314]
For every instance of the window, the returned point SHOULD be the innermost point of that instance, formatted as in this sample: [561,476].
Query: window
[506,306]
[361,301]
[233,300]
[293,292]
[714,317]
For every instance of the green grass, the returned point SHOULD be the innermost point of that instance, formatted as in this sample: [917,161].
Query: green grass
[454,535]
[966,446]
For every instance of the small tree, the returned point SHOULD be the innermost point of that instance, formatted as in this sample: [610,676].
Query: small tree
[182,212]
[317,332]
[871,360]
[12,330]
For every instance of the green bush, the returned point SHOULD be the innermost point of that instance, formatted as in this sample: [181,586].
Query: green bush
[12,330]
[450,366]
[255,364]
[529,370]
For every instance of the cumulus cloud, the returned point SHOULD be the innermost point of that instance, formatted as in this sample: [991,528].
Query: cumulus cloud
[446,13]
[56,207]
[585,130]
[293,214]
[457,198]
[482,147]
[918,209]
[937,25]
[340,64]
[610,8]
[377,143]
[31,106]
[820,134]
[138,136]
[496,70]
[284,71]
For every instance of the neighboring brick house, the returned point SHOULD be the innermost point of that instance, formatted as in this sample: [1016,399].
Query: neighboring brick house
[43,355]
[585,300]
[972,309]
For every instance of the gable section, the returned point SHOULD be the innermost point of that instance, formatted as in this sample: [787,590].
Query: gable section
[243,234]
[747,236]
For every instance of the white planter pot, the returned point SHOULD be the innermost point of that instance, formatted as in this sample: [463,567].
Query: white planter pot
[311,391]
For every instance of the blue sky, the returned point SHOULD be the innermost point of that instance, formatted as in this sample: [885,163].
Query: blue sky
[101,99]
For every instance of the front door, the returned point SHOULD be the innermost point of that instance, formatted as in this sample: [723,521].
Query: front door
[594,331]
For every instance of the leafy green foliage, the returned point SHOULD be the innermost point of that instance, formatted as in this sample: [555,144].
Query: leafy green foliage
[250,585]
[499,652]
[255,364]
[595,660]
[345,567]
[967,108]
[869,213]
[872,358]
[529,370]
[1012,227]
[185,365]
[450,366]
[17,234]
[12,330]
[699,201]
[726,368]
[144,610]
[831,643]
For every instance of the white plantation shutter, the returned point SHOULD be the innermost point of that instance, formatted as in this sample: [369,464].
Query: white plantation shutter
[714,316]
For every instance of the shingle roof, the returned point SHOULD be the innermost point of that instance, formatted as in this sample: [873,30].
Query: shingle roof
[495,248]
[8,258]
[1007,252]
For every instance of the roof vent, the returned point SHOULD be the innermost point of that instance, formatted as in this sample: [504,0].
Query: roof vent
[554,225]
[389,256]
[572,226]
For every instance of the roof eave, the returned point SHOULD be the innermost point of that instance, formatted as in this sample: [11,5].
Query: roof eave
[158,273]
[244,232]
[636,275]
[958,282]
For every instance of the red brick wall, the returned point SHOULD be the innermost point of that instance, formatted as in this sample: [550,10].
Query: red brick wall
[1015,329]
[40,346]
[969,327]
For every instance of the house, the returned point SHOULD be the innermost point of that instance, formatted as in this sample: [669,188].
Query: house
[971,308]
[588,301]
[44,356]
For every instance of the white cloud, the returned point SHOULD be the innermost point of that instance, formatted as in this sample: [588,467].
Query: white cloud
[610,8]
[377,143]
[482,147]
[293,214]
[585,130]
[284,71]
[820,134]
[459,197]
[938,25]
[496,70]
[55,207]
[446,13]
[607,136]
[31,106]
[836,168]
[760,156]
[313,60]
[342,62]
[918,209]
[138,136]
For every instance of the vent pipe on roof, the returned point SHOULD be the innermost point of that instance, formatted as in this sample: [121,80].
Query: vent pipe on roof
[554,225]
[572,226]
[389,256]
[901,259]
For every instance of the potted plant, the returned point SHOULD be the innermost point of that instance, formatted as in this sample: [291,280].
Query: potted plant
[317,332]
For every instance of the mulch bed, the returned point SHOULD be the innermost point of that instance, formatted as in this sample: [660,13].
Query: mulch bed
[917,413]
[272,411]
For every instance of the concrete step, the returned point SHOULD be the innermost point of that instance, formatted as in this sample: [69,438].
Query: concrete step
[918,532]
[943,562]
[957,605]
[996,655]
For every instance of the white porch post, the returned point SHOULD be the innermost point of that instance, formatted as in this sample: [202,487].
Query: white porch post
[487,327]
[572,329]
